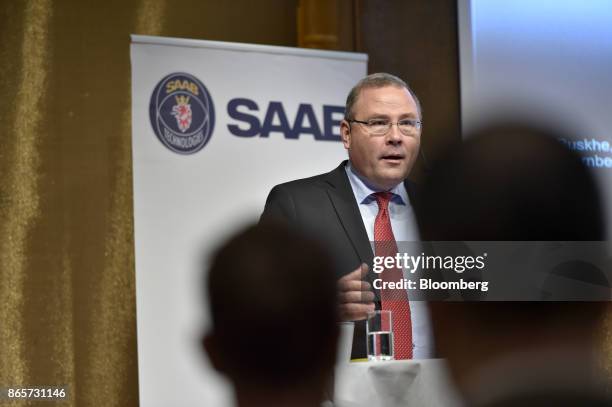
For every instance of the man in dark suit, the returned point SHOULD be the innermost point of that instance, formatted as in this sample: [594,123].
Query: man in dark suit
[367,198]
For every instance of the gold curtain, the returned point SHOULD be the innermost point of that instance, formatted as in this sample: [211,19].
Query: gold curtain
[67,282]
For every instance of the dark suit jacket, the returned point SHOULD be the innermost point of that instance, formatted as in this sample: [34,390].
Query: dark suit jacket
[324,206]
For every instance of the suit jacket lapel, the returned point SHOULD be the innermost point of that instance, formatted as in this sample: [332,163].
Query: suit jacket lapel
[412,193]
[343,200]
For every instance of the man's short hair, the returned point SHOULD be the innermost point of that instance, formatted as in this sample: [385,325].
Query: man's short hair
[376,80]
[273,304]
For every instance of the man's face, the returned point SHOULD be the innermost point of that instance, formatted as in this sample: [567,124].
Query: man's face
[386,160]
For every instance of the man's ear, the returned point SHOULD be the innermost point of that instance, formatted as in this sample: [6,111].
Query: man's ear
[345,133]
[212,351]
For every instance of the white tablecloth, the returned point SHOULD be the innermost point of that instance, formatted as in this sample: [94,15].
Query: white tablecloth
[403,383]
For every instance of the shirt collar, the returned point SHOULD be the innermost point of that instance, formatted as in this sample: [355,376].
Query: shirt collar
[363,190]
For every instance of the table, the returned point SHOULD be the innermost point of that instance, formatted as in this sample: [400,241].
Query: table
[424,382]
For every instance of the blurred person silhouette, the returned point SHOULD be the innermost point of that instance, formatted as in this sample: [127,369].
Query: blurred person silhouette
[273,305]
[517,182]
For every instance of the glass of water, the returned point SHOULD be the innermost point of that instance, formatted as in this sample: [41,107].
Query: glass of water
[379,327]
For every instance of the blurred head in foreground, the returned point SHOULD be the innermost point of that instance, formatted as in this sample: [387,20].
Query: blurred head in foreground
[513,182]
[273,304]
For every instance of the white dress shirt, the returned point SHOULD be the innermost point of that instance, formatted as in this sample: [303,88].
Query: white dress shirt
[404,228]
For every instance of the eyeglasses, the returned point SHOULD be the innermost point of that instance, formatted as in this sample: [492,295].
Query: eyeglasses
[380,127]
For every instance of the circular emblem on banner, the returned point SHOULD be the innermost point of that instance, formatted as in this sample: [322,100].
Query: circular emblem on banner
[182,113]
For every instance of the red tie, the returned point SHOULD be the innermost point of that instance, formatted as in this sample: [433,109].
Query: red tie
[392,299]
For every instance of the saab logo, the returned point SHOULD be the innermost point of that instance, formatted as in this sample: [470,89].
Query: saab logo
[276,120]
[182,113]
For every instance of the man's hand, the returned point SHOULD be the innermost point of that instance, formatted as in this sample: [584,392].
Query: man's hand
[355,295]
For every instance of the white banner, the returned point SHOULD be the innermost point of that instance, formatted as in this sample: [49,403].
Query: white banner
[214,126]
